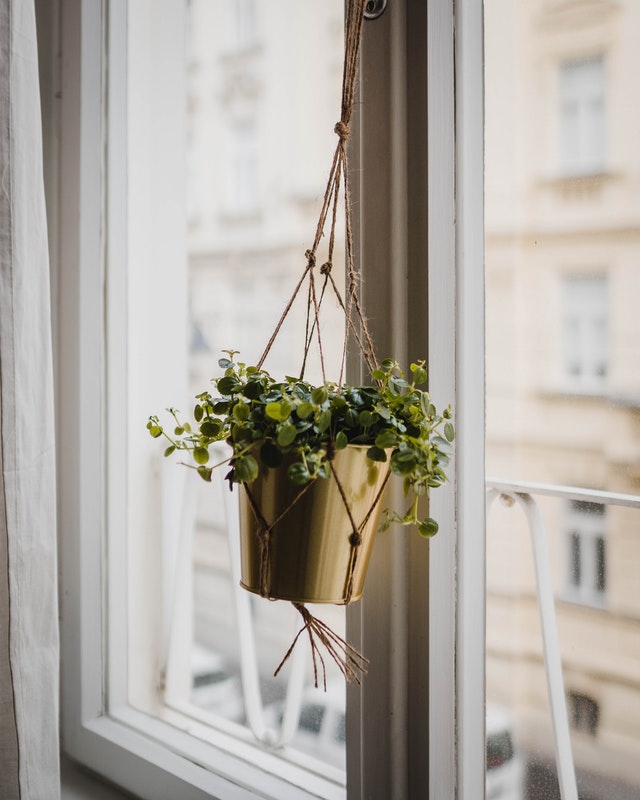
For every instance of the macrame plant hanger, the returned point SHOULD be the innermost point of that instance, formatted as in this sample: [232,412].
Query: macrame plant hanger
[350,662]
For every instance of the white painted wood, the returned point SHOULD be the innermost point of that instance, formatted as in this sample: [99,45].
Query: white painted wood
[470,411]
[442,369]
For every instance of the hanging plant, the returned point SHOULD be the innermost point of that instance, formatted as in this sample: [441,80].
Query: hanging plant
[313,461]
[265,421]
[299,433]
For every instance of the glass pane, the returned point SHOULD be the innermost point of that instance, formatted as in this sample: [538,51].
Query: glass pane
[259,113]
[563,385]
[260,130]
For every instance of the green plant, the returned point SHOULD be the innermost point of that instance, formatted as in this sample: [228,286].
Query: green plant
[265,420]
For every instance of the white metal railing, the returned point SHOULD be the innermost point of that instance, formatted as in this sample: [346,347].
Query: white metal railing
[522,493]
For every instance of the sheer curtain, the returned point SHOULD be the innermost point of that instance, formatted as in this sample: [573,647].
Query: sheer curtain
[29,750]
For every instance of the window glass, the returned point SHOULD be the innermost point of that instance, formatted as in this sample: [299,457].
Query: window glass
[563,387]
[250,211]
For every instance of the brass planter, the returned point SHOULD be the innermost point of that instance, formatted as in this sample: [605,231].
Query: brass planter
[309,549]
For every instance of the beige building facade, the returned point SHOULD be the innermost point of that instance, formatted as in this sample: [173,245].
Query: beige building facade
[563,370]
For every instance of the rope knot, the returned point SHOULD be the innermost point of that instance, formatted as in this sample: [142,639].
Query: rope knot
[342,129]
[355,540]
[326,268]
[311,258]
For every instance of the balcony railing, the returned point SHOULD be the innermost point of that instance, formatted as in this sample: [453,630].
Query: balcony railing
[523,494]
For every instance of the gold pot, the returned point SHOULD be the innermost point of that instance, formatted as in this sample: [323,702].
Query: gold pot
[309,549]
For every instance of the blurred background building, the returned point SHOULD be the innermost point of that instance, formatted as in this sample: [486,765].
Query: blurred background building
[563,372]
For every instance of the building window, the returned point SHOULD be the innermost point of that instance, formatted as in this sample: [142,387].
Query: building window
[244,187]
[582,117]
[586,579]
[585,334]
[246,24]
[584,713]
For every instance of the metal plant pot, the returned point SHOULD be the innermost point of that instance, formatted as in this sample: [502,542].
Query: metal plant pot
[310,552]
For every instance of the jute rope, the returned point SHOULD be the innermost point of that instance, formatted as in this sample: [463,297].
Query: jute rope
[338,176]
[351,663]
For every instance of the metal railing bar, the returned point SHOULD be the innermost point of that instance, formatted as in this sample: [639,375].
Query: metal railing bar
[550,640]
[566,492]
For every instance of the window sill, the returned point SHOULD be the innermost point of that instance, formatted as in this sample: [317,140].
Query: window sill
[79,784]
[156,760]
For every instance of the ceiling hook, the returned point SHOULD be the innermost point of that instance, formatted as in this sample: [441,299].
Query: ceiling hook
[374,8]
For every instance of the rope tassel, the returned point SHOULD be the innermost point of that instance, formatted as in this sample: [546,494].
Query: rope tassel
[351,663]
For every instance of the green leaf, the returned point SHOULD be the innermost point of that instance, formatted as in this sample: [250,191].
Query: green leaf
[376,454]
[449,432]
[323,420]
[419,373]
[272,410]
[305,410]
[245,469]
[211,428]
[205,473]
[319,395]
[252,390]
[169,450]
[154,430]
[200,455]
[198,413]
[228,384]
[365,418]
[286,434]
[428,528]
[386,439]
[341,440]
[403,462]
[351,418]
[241,412]
[279,411]
[224,363]
[298,473]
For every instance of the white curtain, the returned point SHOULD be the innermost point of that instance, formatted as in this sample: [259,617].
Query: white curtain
[29,750]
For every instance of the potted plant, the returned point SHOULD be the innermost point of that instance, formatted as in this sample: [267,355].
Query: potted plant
[313,462]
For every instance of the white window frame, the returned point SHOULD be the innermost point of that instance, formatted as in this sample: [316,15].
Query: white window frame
[145,755]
